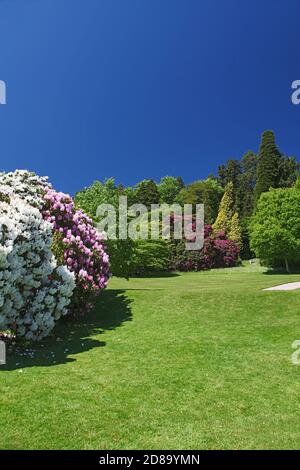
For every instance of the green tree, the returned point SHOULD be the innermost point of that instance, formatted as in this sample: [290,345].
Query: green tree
[147,193]
[244,202]
[226,210]
[91,197]
[289,172]
[207,192]
[150,256]
[236,233]
[275,227]
[229,173]
[249,166]
[121,257]
[269,164]
[169,189]
[120,251]
[130,193]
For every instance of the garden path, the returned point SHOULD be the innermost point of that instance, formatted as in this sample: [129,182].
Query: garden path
[288,286]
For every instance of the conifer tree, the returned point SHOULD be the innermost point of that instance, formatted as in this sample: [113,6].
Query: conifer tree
[236,233]
[269,164]
[225,214]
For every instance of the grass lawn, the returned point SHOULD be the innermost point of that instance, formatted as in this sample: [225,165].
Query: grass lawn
[195,361]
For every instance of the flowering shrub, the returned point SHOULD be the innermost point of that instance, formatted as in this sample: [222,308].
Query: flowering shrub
[217,252]
[51,257]
[25,184]
[34,291]
[78,245]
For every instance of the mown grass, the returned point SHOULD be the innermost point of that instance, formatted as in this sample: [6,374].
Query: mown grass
[195,361]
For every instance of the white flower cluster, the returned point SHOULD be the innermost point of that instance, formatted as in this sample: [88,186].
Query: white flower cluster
[34,292]
[25,184]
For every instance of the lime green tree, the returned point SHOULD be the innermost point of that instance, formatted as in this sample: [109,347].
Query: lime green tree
[98,193]
[236,232]
[225,214]
[275,227]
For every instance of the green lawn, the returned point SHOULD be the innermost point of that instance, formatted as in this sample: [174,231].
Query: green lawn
[195,361]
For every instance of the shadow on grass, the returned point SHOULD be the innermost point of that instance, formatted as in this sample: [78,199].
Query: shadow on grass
[155,274]
[73,336]
[282,271]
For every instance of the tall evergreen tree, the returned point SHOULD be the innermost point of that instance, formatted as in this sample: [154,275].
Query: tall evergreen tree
[269,163]
[244,202]
[226,210]
[289,172]
[229,172]
[249,166]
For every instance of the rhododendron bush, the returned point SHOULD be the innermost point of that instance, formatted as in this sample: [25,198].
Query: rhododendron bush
[79,245]
[34,291]
[52,260]
[218,252]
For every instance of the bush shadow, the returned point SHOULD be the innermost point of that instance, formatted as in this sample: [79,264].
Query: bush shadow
[271,271]
[73,336]
[155,274]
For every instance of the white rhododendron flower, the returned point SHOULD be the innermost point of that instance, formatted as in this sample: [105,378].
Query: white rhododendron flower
[34,291]
[25,184]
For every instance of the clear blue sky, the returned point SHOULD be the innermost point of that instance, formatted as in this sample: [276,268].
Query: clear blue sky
[143,88]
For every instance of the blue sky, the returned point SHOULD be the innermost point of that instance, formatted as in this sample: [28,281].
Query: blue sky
[143,88]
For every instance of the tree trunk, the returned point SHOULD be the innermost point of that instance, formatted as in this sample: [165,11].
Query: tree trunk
[286,265]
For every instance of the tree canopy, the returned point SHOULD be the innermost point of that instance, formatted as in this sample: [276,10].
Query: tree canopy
[275,227]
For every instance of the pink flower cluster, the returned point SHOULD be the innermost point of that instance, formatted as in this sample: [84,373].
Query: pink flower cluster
[83,249]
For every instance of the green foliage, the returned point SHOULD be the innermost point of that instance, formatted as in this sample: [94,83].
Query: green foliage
[242,174]
[169,189]
[246,252]
[249,165]
[147,193]
[244,199]
[297,184]
[119,251]
[273,169]
[58,247]
[207,192]
[288,171]
[4,197]
[225,214]
[252,175]
[269,163]
[150,256]
[229,173]
[90,198]
[120,257]
[275,227]
[236,233]
[131,194]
